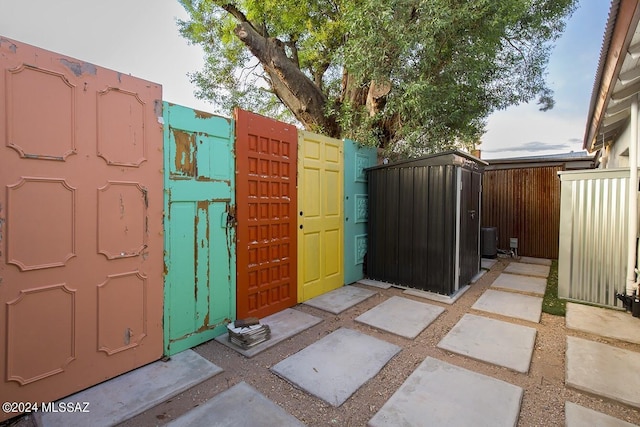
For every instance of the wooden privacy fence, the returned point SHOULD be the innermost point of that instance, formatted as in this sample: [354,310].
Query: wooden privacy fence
[522,199]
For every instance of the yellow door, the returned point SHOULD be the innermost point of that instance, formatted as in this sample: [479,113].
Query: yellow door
[320,216]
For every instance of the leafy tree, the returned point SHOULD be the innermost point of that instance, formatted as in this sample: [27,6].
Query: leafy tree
[416,75]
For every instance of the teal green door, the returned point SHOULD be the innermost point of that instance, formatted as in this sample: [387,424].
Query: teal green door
[356,210]
[199,225]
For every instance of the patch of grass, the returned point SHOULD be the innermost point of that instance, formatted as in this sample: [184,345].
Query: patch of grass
[551,304]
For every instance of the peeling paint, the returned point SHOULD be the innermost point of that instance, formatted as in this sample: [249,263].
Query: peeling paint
[202,114]
[145,195]
[157,108]
[200,226]
[231,224]
[79,68]
[128,333]
[184,161]
[121,207]
[196,221]
[12,46]
[42,157]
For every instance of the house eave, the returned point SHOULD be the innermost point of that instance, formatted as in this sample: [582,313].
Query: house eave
[609,90]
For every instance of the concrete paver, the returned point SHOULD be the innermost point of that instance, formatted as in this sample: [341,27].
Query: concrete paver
[446,299]
[340,299]
[603,321]
[240,405]
[579,416]
[528,269]
[487,339]
[516,282]
[374,283]
[123,397]
[487,263]
[539,261]
[334,367]
[441,394]
[510,304]
[401,316]
[603,370]
[283,325]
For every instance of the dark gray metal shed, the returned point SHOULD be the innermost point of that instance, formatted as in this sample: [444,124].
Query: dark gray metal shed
[424,222]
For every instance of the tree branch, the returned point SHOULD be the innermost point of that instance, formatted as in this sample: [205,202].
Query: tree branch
[242,18]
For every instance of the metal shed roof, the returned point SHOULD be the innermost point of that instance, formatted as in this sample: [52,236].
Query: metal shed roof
[451,157]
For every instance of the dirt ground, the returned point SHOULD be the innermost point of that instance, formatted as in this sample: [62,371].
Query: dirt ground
[544,390]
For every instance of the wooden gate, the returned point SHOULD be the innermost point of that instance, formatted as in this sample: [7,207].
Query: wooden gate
[80,224]
[199,219]
[266,156]
[321,230]
[356,207]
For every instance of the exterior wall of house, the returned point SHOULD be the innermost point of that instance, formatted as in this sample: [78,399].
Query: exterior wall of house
[614,152]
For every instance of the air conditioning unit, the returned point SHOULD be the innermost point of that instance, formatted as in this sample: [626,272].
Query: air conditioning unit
[489,242]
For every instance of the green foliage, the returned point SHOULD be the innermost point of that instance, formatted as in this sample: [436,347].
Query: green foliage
[551,303]
[450,63]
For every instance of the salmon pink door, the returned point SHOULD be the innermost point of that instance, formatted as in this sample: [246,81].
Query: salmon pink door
[266,156]
[80,224]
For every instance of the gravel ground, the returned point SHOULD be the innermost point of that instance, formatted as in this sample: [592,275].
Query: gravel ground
[544,389]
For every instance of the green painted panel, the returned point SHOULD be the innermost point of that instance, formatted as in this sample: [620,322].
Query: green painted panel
[200,265]
[356,160]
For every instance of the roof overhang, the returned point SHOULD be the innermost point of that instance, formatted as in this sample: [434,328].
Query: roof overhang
[618,76]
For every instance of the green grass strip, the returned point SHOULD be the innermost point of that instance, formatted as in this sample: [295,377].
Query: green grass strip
[551,303]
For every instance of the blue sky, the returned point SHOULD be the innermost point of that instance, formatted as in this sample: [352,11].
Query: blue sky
[140,37]
[524,130]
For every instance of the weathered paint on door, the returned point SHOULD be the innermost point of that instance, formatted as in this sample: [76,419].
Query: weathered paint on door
[356,207]
[266,155]
[80,224]
[200,272]
[320,219]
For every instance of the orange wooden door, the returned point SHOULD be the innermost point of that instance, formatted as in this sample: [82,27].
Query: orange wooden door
[266,156]
[80,224]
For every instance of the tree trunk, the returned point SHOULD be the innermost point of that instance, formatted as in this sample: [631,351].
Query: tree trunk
[299,93]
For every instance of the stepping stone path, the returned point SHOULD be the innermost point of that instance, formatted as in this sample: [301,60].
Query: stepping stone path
[579,416]
[123,397]
[401,316]
[510,304]
[603,370]
[283,324]
[447,395]
[515,282]
[340,299]
[528,269]
[335,366]
[487,339]
[240,405]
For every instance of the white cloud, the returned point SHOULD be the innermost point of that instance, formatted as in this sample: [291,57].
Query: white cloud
[525,131]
